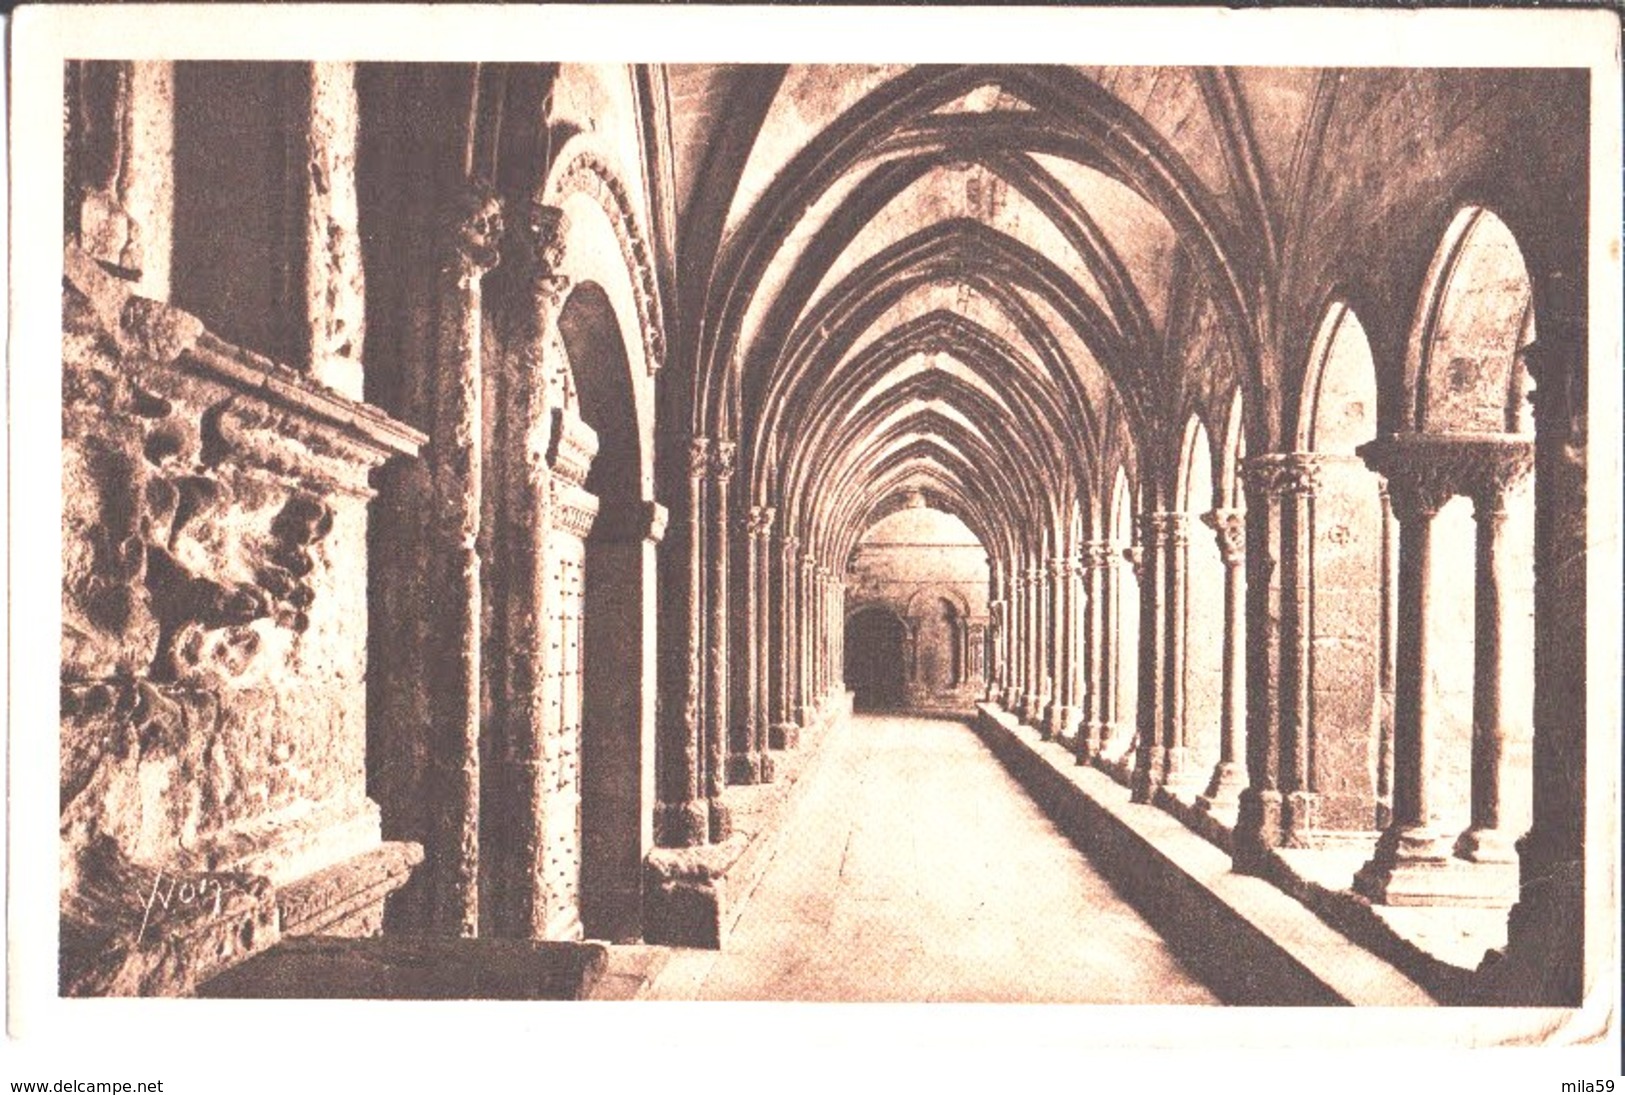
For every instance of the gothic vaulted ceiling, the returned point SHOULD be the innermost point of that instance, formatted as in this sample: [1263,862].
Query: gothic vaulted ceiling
[974,282]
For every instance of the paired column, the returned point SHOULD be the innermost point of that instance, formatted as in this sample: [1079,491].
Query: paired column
[1176,556]
[749,761]
[1230,775]
[1414,863]
[1277,807]
[1485,841]
[1061,715]
[785,733]
[1152,716]
[1097,558]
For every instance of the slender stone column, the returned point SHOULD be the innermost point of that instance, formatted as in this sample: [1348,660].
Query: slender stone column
[1230,775]
[1016,652]
[1485,841]
[1032,708]
[808,691]
[1387,667]
[1277,807]
[786,732]
[1096,562]
[1055,639]
[455,467]
[1410,849]
[716,647]
[761,565]
[747,749]
[1176,555]
[1115,729]
[1149,764]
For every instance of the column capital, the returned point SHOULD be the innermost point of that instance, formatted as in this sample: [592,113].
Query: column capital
[1134,554]
[1283,474]
[473,228]
[1097,554]
[1230,528]
[1423,471]
[723,455]
[699,456]
[538,242]
[1164,527]
[759,521]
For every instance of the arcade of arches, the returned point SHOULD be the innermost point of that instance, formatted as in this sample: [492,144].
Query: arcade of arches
[486,485]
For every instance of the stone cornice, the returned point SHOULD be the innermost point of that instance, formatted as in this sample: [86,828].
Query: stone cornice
[171,336]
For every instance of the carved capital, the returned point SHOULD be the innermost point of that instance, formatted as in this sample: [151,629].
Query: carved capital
[1230,529]
[723,455]
[1424,472]
[1283,474]
[542,239]
[474,228]
[1164,528]
[699,457]
[759,522]
[1097,554]
[1135,555]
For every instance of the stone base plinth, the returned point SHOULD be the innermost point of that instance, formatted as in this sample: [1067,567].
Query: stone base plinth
[405,968]
[783,735]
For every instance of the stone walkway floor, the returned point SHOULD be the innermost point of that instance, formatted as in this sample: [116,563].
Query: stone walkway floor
[916,869]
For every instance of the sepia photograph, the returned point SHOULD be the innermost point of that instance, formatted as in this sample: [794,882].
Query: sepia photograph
[1109,523]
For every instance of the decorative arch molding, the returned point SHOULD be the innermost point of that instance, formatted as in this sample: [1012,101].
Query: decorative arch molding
[1473,228]
[583,169]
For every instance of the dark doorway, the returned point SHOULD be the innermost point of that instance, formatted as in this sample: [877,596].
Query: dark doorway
[613,588]
[874,660]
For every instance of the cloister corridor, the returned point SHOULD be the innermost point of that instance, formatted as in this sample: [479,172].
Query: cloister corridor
[915,868]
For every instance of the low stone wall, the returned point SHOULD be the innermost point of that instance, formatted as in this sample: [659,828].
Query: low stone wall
[1248,941]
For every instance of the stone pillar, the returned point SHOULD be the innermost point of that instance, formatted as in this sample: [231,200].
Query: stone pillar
[1055,593]
[1485,841]
[1032,706]
[1552,927]
[1387,667]
[522,657]
[807,692]
[1411,855]
[1016,652]
[786,732]
[1096,558]
[455,468]
[687,819]
[1176,556]
[995,642]
[745,754]
[1277,807]
[761,566]
[1230,775]
[1152,715]
[716,644]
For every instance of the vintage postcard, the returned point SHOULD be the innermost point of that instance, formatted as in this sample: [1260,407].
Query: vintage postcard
[1018,536]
